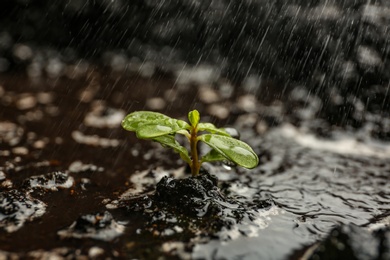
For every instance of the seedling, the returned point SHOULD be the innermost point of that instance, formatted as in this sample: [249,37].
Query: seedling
[161,128]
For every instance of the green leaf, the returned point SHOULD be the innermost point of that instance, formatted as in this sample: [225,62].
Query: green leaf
[213,156]
[169,141]
[212,129]
[194,117]
[136,120]
[132,121]
[233,149]
[151,131]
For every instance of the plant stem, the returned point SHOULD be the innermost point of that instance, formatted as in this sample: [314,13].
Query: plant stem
[195,166]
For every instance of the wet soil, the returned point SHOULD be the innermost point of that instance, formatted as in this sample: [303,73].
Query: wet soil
[73,184]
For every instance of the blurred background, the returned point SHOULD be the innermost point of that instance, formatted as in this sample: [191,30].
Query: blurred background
[337,51]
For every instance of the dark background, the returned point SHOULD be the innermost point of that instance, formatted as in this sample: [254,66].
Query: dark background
[338,50]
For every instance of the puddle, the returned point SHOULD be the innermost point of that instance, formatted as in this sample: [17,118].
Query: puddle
[272,241]
[342,144]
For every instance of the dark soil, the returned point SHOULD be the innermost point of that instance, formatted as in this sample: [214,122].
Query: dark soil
[76,184]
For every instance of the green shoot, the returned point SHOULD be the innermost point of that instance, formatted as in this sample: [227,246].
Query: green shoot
[161,128]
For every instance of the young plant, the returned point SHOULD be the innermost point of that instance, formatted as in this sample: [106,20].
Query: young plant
[161,128]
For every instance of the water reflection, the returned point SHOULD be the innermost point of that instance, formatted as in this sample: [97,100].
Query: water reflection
[313,189]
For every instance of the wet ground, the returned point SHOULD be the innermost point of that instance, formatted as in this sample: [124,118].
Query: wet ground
[73,184]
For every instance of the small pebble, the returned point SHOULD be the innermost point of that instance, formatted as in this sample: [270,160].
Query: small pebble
[20,150]
[102,116]
[94,140]
[208,95]
[95,252]
[22,52]
[78,166]
[247,103]
[2,175]
[10,133]
[178,229]
[155,103]
[26,101]
[5,153]
[6,184]
[40,144]
[219,111]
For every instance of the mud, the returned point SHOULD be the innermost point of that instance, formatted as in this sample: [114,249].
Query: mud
[100,226]
[17,208]
[74,184]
